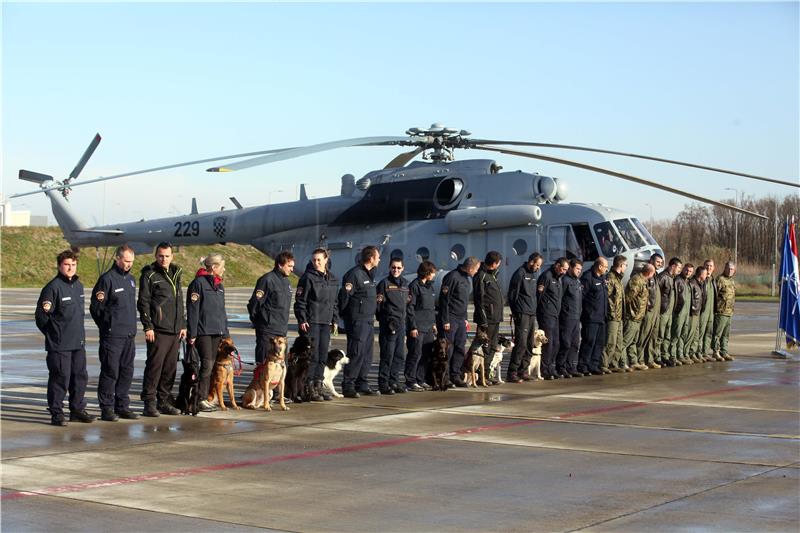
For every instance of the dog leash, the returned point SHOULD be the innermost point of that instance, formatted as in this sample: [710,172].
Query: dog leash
[237,371]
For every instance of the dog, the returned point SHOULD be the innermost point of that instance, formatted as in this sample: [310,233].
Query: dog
[188,399]
[439,364]
[539,340]
[336,361]
[222,376]
[297,366]
[474,367]
[495,370]
[268,376]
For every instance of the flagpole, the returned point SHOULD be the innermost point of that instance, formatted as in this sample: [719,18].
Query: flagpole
[788,291]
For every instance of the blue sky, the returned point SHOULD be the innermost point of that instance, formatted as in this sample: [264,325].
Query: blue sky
[711,83]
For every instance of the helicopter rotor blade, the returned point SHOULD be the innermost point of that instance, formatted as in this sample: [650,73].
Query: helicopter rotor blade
[638,156]
[314,148]
[623,176]
[145,171]
[84,158]
[402,159]
[35,177]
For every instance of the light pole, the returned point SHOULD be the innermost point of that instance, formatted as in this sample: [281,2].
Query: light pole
[735,225]
[651,216]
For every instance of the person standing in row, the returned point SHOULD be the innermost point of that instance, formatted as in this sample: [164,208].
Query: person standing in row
[706,330]
[420,327]
[207,320]
[594,314]
[636,296]
[723,311]
[692,327]
[452,320]
[269,304]
[569,321]
[161,313]
[522,301]
[680,315]
[666,286]
[612,355]
[113,308]
[317,315]
[357,306]
[392,299]
[646,344]
[548,309]
[487,298]
[59,316]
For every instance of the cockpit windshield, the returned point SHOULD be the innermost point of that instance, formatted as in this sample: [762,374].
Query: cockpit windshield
[608,240]
[629,233]
[649,238]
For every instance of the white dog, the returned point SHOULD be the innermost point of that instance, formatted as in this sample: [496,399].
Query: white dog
[336,360]
[495,370]
[534,368]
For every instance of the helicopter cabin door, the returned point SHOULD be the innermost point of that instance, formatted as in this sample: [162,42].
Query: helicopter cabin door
[573,241]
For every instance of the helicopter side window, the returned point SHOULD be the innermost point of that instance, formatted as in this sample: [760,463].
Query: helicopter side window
[519,247]
[608,240]
[457,252]
[396,254]
[561,242]
[585,242]
[629,233]
[646,234]
[423,254]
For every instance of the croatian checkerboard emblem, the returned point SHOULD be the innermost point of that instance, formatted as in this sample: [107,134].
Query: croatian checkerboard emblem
[219,226]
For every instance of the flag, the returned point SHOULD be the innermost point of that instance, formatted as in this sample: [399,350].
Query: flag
[789,320]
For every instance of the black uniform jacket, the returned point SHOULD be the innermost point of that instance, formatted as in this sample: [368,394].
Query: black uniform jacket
[522,291]
[454,296]
[59,314]
[270,302]
[487,297]
[421,311]
[549,301]
[161,299]
[698,292]
[666,284]
[571,298]
[357,297]
[205,307]
[595,297]
[315,297]
[393,298]
[113,305]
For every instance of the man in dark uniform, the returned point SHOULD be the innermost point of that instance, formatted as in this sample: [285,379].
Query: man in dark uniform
[269,304]
[569,321]
[594,313]
[392,298]
[357,306]
[452,319]
[522,300]
[487,297]
[317,316]
[697,292]
[161,313]
[666,286]
[420,327]
[548,308]
[113,308]
[59,315]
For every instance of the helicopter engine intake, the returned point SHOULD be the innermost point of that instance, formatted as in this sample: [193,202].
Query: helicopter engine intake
[492,217]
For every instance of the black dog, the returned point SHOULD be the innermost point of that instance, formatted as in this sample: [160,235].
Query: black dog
[188,400]
[297,366]
[439,364]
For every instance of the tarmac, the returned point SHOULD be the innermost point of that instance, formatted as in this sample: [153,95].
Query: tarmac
[706,447]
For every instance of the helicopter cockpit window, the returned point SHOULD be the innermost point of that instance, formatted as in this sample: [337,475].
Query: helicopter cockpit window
[588,250]
[457,252]
[519,247]
[396,254]
[629,233]
[561,242]
[423,254]
[649,238]
[608,240]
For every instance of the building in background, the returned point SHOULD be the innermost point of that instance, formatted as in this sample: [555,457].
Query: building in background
[9,217]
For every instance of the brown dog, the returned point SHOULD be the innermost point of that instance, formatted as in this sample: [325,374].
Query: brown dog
[268,376]
[222,378]
[474,367]
[439,364]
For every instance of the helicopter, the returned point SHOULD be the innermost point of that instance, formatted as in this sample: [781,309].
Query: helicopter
[437,208]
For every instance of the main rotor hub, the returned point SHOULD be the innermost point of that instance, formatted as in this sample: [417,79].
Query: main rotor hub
[440,139]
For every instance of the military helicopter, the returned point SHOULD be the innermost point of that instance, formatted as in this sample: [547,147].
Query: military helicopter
[439,209]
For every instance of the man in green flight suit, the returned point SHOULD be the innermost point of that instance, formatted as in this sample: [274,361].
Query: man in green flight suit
[707,314]
[636,295]
[680,315]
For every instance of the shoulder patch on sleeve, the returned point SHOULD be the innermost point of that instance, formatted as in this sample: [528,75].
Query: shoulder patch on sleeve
[348,287]
[47,305]
[380,298]
[195,296]
[100,295]
[299,291]
[445,290]
[259,294]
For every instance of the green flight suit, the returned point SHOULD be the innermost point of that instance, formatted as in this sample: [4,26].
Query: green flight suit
[707,319]
[679,319]
[723,308]
[612,354]
[636,295]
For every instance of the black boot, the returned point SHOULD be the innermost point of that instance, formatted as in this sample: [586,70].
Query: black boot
[313,393]
[322,392]
[150,409]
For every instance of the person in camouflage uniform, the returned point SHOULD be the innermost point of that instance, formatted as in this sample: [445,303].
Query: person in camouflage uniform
[680,315]
[691,329]
[646,344]
[636,295]
[707,314]
[723,311]
[612,355]
[666,286]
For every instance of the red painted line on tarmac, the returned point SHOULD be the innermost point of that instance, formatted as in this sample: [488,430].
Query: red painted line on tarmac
[185,472]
